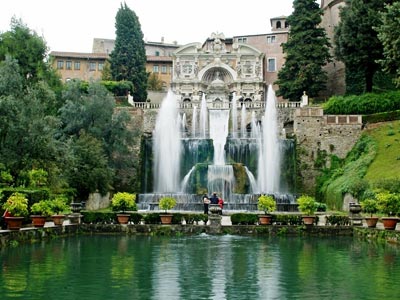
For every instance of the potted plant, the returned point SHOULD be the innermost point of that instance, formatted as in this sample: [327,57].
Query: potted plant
[59,207]
[40,212]
[122,202]
[16,208]
[370,206]
[389,205]
[165,204]
[266,204]
[307,205]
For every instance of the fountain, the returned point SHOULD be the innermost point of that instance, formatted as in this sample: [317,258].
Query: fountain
[216,159]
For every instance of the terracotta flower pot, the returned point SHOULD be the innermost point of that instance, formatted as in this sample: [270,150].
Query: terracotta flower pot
[389,223]
[265,220]
[166,219]
[14,223]
[38,221]
[308,220]
[123,218]
[58,219]
[371,221]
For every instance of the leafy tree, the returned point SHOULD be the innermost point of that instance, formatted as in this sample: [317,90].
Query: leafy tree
[26,47]
[154,83]
[106,73]
[87,170]
[307,51]
[128,59]
[390,38]
[357,43]
[26,126]
[92,113]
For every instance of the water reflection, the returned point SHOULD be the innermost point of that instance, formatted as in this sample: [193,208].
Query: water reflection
[200,267]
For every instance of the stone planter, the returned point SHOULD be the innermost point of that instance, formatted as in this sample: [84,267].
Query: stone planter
[389,223]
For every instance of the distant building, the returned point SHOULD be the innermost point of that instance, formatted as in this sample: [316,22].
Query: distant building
[271,45]
[89,66]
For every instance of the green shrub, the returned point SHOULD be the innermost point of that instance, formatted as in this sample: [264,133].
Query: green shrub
[266,203]
[369,103]
[307,205]
[42,208]
[59,205]
[167,203]
[152,218]
[136,218]
[177,218]
[337,220]
[96,217]
[244,219]
[369,206]
[123,201]
[17,205]
[292,219]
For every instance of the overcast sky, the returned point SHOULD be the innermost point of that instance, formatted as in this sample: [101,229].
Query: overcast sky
[71,25]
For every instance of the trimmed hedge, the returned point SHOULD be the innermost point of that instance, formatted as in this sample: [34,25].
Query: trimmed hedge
[366,104]
[96,217]
[244,219]
[336,220]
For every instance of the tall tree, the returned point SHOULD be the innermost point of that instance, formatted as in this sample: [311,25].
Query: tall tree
[307,51]
[357,43]
[128,59]
[390,38]
[24,45]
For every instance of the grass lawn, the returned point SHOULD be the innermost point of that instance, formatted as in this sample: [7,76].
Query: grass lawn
[387,161]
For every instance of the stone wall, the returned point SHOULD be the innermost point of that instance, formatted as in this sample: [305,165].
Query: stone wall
[317,133]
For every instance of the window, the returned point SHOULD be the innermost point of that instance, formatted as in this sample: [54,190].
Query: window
[155,69]
[278,24]
[242,40]
[164,69]
[271,64]
[271,39]
[77,65]
[157,53]
[68,65]
[92,66]
[100,66]
[286,24]
[60,64]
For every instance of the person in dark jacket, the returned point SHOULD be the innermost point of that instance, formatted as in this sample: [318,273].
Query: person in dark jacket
[214,198]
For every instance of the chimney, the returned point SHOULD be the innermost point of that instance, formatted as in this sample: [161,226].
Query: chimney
[162,39]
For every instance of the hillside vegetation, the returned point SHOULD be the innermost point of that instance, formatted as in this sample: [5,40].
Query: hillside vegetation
[373,162]
[386,164]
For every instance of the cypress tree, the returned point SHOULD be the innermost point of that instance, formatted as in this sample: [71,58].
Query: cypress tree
[128,59]
[307,51]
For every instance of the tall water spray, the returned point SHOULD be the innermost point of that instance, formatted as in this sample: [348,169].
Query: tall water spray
[203,117]
[269,154]
[243,121]
[194,121]
[234,116]
[167,147]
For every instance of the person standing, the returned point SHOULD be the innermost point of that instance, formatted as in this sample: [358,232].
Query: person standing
[206,202]
[214,198]
[221,204]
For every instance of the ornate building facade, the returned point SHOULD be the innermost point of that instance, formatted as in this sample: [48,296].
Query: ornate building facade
[218,68]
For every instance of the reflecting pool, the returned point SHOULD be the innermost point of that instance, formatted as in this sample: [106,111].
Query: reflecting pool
[200,267]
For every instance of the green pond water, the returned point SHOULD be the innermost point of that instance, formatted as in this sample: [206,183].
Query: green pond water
[200,267]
